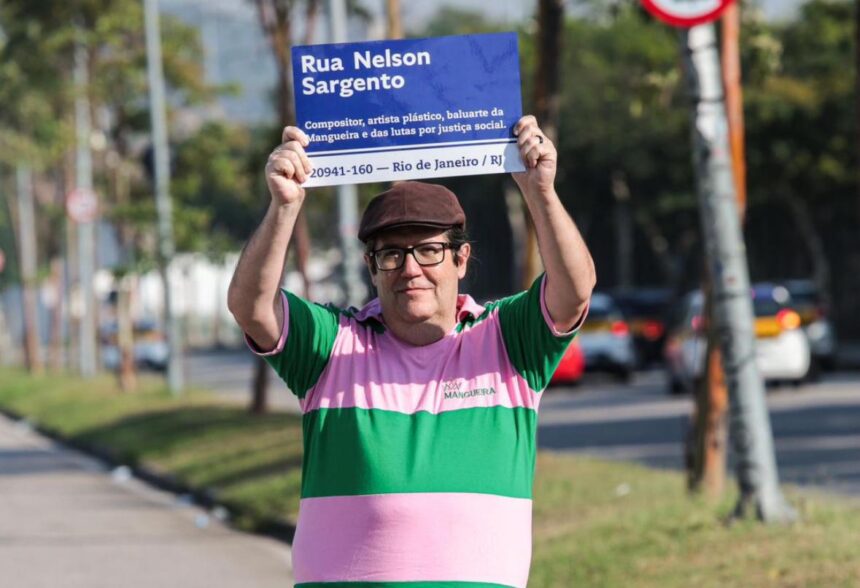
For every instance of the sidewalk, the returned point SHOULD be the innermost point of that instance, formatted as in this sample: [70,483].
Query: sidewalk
[66,522]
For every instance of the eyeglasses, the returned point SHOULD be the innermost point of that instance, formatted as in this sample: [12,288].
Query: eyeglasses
[426,254]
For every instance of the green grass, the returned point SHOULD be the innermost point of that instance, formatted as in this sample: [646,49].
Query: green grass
[588,531]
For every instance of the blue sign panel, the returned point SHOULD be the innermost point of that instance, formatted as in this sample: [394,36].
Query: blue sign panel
[406,109]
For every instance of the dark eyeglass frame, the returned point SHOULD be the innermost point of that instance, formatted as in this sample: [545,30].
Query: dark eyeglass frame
[411,250]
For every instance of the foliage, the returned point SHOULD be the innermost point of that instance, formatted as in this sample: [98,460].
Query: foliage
[212,183]
[37,92]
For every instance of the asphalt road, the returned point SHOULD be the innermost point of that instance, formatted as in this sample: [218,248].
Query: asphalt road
[816,427]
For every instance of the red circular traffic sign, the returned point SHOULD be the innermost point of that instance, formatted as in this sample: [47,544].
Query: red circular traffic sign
[686,13]
[82,205]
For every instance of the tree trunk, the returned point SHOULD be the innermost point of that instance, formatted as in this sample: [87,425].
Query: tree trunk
[56,349]
[857,97]
[659,245]
[811,238]
[28,260]
[546,101]
[311,19]
[623,230]
[394,26]
[707,452]
[125,336]
[276,21]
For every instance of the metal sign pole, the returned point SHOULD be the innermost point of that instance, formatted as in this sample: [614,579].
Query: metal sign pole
[164,206]
[347,195]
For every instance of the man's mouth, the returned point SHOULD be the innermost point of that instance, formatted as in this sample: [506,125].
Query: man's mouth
[411,289]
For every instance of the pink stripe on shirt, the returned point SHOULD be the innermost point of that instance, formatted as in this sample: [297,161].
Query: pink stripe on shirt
[430,537]
[451,374]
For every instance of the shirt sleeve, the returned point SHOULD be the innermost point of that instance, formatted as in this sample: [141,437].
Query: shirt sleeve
[306,342]
[534,346]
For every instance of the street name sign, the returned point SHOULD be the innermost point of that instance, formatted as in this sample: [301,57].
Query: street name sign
[686,13]
[406,109]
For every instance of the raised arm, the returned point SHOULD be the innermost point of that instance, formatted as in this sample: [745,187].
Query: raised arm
[570,275]
[253,297]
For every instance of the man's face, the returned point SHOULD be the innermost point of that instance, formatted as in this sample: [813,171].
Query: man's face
[414,293]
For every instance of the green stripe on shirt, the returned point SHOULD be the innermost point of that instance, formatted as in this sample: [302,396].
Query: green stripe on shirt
[311,335]
[532,347]
[352,451]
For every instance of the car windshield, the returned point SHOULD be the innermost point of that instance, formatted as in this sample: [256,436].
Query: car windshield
[763,306]
[766,307]
[639,307]
[804,299]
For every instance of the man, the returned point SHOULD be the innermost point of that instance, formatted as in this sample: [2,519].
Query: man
[420,409]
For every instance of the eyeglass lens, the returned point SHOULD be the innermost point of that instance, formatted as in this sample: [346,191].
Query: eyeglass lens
[390,258]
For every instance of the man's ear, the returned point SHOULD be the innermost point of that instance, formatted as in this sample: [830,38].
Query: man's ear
[370,269]
[463,254]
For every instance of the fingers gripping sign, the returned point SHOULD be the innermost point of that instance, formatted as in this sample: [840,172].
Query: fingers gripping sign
[538,154]
[288,167]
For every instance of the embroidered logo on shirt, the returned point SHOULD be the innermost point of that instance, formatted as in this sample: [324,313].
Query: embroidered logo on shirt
[452,390]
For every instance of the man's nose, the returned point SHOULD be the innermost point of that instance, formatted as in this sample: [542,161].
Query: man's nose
[411,267]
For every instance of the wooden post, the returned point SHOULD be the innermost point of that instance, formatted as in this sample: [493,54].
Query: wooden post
[546,100]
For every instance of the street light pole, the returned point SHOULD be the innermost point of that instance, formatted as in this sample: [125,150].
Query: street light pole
[347,195]
[164,206]
[86,227]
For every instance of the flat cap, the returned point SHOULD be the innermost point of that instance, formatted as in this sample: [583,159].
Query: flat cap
[411,203]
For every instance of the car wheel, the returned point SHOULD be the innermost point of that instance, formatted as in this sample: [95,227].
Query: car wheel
[624,374]
[814,373]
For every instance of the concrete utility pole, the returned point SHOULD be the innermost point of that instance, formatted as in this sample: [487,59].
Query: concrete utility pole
[712,398]
[725,253]
[86,230]
[347,195]
[164,206]
[27,248]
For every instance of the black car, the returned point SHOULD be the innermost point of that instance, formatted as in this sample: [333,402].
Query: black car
[646,312]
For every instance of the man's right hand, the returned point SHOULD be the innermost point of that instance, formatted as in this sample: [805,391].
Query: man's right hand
[288,168]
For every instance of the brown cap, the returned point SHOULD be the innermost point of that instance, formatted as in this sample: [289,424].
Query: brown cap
[411,203]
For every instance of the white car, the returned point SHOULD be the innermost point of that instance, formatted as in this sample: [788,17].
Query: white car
[606,340]
[782,349]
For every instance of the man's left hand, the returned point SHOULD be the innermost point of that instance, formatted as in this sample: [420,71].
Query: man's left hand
[539,156]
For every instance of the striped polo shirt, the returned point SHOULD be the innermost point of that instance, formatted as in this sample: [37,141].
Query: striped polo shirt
[418,461]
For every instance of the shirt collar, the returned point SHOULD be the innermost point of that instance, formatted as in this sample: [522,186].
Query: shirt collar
[466,308]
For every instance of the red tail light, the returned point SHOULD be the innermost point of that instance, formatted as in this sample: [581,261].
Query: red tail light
[697,323]
[788,319]
[652,330]
[619,329]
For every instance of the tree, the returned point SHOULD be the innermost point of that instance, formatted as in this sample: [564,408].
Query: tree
[34,77]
